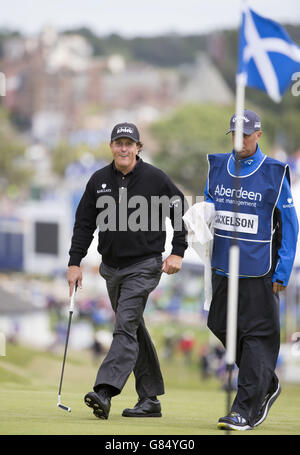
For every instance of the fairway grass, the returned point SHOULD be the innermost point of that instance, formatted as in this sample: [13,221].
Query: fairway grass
[28,396]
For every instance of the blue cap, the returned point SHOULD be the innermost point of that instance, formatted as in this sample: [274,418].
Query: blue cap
[251,122]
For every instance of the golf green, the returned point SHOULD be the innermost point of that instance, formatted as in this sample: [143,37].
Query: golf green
[191,406]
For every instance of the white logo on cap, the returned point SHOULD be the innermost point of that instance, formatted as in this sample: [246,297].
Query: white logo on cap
[257,125]
[245,119]
[124,129]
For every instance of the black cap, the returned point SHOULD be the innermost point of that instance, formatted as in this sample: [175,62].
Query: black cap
[125,130]
[251,122]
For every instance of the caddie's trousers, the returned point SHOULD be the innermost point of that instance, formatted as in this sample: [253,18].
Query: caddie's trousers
[258,338]
[131,348]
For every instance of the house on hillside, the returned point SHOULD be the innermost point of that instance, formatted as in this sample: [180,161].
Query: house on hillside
[139,84]
[50,81]
[202,82]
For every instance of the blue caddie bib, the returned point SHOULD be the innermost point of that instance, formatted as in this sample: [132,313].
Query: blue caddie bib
[245,210]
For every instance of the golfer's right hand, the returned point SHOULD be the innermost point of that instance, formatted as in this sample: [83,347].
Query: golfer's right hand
[74,274]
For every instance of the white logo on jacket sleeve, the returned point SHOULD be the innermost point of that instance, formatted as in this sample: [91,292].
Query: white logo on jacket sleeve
[240,222]
[289,204]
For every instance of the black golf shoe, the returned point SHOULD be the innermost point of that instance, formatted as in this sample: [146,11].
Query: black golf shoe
[99,402]
[268,401]
[145,407]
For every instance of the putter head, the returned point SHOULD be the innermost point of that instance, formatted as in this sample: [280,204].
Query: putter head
[61,406]
[65,408]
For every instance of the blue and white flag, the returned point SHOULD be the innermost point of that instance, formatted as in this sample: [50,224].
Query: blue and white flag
[267,56]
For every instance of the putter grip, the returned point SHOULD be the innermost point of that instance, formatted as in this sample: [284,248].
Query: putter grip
[72,300]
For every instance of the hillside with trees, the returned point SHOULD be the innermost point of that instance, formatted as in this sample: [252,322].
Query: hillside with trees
[185,137]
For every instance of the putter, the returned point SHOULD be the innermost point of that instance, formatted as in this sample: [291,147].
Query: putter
[71,309]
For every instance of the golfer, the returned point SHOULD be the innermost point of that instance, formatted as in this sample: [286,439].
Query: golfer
[131,242]
[262,214]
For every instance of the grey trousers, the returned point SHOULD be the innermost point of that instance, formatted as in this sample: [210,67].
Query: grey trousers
[131,349]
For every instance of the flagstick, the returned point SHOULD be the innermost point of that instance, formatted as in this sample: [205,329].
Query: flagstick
[234,252]
[239,110]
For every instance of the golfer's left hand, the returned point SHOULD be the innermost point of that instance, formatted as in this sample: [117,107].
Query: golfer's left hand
[277,287]
[172,264]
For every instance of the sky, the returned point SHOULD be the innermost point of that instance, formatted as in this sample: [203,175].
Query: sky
[139,18]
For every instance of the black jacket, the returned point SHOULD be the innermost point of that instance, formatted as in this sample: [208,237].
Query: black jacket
[118,245]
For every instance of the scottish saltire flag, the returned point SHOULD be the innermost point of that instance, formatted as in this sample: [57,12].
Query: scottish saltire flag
[267,56]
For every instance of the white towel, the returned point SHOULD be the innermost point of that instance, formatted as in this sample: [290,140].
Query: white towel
[199,221]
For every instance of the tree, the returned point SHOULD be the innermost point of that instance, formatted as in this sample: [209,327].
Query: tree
[184,139]
[64,154]
[14,172]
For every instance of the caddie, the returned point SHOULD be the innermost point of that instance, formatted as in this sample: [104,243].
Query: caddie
[260,213]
